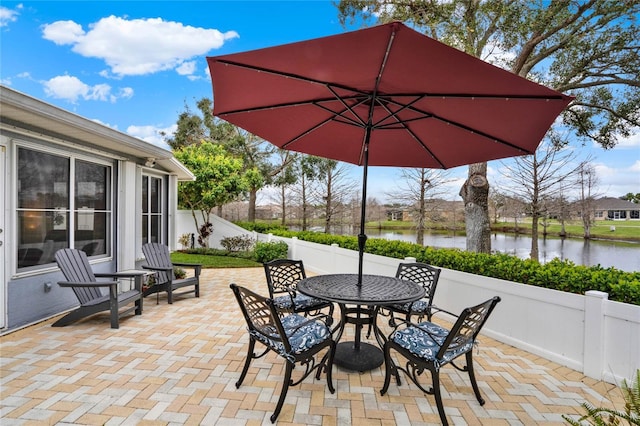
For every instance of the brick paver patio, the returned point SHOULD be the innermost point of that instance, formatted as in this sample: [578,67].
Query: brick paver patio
[177,364]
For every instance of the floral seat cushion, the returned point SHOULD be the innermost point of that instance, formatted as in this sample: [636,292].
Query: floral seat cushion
[301,302]
[419,306]
[301,337]
[425,342]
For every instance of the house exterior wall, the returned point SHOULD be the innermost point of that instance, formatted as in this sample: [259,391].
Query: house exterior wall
[615,209]
[29,291]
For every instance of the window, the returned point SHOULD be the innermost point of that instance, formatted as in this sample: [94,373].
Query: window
[152,209]
[62,202]
[634,214]
[617,214]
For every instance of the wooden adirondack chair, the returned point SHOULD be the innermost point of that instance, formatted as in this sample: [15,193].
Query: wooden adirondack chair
[74,264]
[159,260]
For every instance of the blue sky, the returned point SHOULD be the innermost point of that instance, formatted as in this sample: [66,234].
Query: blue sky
[134,65]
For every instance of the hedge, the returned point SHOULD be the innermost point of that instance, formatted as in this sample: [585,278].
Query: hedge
[557,274]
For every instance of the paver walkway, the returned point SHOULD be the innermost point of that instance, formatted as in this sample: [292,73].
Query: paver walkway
[177,364]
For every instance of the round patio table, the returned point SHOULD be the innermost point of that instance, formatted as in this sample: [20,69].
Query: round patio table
[374,291]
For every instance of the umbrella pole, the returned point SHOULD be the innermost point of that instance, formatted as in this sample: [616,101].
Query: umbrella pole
[362,237]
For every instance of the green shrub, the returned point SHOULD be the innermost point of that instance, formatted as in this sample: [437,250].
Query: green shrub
[557,274]
[237,243]
[179,272]
[185,240]
[266,252]
[263,228]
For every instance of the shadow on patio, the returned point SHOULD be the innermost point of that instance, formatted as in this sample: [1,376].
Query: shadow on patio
[177,364]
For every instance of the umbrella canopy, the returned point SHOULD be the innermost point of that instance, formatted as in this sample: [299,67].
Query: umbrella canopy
[383,96]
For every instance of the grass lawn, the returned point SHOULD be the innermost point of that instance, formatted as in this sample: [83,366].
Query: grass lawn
[629,231]
[214,261]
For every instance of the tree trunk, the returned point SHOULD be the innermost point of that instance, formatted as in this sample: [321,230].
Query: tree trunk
[328,214]
[475,194]
[284,207]
[304,204]
[252,205]
[421,213]
[586,224]
[534,255]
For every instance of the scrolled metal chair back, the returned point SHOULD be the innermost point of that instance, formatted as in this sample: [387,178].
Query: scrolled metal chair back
[467,327]
[420,273]
[283,275]
[260,315]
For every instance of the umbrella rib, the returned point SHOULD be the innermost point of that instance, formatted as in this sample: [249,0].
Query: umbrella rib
[394,115]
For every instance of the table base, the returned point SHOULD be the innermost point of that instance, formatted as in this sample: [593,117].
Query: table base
[365,358]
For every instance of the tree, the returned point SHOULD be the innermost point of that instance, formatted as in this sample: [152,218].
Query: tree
[587,181]
[538,178]
[334,187]
[496,202]
[255,153]
[309,166]
[416,187]
[218,181]
[284,179]
[587,48]
[630,196]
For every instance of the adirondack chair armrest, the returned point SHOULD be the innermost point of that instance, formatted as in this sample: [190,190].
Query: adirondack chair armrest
[87,284]
[123,274]
[158,268]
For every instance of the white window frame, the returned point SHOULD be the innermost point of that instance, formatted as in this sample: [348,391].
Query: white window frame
[73,156]
[162,214]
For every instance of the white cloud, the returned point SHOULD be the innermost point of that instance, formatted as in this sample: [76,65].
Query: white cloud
[618,181]
[71,88]
[8,15]
[125,92]
[63,32]
[632,141]
[186,68]
[152,134]
[139,46]
[66,87]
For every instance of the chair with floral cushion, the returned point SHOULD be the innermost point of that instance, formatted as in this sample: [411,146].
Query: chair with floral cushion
[282,278]
[428,346]
[293,337]
[425,275]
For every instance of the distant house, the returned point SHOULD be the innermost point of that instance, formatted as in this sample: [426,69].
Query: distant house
[66,181]
[610,208]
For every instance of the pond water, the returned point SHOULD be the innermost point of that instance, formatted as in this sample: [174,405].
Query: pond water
[617,254]
[620,255]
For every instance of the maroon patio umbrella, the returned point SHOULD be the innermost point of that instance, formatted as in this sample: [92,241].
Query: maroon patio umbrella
[383,96]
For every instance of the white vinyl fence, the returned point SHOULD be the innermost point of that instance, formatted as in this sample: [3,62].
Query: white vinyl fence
[587,333]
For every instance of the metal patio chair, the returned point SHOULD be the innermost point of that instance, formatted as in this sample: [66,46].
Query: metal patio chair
[291,336]
[428,346]
[282,278]
[425,275]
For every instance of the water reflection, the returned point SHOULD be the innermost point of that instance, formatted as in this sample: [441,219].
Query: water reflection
[623,256]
